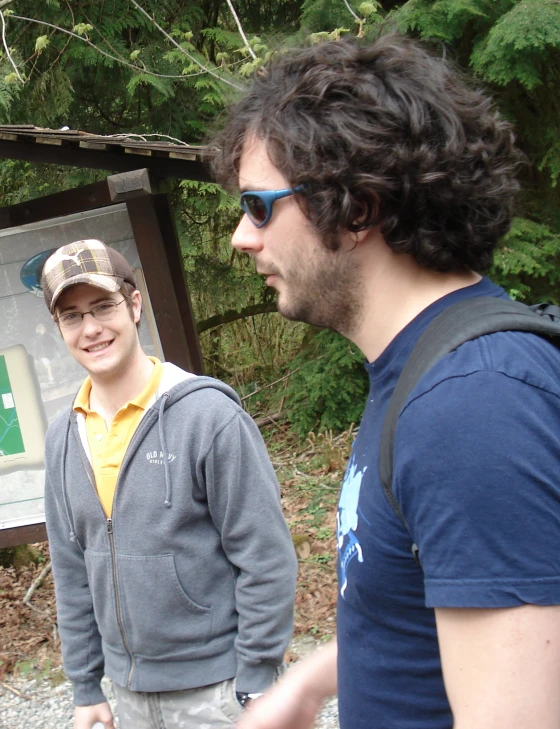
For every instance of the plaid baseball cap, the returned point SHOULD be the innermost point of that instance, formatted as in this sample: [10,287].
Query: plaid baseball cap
[84,261]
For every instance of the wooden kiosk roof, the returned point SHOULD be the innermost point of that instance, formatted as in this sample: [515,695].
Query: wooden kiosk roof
[165,156]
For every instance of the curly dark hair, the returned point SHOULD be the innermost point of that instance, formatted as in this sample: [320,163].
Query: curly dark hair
[383,134]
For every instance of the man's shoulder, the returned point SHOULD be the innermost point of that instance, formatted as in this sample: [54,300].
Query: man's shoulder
[207,401]
[180,385]
[524,357]
[60,424]
[56,435]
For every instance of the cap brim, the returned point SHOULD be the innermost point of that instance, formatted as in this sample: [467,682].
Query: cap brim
[97,280]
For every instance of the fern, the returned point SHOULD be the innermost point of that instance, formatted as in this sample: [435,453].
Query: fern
[144,79]
[522,45]
[528,262]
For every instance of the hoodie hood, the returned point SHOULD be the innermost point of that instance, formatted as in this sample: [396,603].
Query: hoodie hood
[175,385]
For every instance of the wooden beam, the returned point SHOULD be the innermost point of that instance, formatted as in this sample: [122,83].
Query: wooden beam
[56,205]
[46,140]
[113,159]
[162,264]
[114,189]
[23,535]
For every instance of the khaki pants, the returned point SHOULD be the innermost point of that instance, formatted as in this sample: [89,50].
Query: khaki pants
[208,707]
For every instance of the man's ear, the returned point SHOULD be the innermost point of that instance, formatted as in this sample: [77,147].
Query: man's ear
[366,211]
[136,298]
[350,239]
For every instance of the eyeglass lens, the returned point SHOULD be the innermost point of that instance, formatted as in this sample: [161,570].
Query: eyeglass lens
[256,208]
[102,312]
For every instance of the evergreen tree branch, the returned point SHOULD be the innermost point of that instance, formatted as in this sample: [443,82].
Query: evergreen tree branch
[119,55]
[183,51]
[139,69]
[241,31]
[5,44]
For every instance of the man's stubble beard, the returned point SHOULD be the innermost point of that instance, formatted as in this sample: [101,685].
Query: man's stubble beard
[326,296]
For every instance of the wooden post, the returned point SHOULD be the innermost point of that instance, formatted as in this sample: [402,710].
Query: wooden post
[162,264]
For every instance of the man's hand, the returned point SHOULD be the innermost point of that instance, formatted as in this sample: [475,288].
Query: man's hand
[86,716]
[296,699]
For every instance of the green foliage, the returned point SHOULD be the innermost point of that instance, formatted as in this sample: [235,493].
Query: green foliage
[367,9]
[123,75]
[528,263]
[10,89]
[82,29]
[551,159]
[447,20]
[319,16]
[330,388]
[522,45]
[145,79]
[514,47]
[106,67]
[41,43]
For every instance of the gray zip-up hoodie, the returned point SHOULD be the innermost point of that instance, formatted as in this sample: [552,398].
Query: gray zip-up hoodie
[192,580]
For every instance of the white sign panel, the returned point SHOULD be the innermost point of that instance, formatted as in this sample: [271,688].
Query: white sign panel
[38,377]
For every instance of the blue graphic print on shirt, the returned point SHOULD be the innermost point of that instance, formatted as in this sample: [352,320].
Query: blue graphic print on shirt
[347,521]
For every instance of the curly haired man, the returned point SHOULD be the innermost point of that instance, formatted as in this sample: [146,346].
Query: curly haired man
[376,184]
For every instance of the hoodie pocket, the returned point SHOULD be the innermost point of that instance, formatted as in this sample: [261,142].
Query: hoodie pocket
[158,615]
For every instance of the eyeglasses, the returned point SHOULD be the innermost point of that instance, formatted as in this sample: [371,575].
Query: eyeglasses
[101,312]
[257,205]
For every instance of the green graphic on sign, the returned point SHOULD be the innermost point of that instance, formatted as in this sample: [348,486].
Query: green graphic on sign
[11,441]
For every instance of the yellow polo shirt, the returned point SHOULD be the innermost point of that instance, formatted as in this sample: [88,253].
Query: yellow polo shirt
[107,447]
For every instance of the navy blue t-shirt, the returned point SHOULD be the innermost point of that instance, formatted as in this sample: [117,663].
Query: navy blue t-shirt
[477,476]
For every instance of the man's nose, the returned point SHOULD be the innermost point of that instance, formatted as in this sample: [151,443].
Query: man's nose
[247,238]
[90,325]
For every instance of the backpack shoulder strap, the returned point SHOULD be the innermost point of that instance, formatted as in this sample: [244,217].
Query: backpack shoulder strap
[459,323]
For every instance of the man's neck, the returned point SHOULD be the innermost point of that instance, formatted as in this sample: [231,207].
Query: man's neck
[109,393]
[396,290]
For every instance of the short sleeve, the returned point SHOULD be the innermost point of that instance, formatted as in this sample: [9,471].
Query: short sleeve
[477,475]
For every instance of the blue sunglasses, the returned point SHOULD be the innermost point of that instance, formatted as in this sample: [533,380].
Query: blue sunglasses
[257,205]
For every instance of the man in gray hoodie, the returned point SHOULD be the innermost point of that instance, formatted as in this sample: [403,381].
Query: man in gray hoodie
[174,568]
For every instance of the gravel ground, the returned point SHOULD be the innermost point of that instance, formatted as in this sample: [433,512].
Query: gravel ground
[44,706]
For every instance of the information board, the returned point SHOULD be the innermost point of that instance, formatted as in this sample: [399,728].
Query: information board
[28,331]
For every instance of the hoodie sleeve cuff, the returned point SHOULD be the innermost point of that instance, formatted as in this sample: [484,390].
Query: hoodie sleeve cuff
[253,678]
[88,694]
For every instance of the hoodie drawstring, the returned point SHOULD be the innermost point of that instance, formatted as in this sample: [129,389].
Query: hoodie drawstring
[163,399]
[72,535]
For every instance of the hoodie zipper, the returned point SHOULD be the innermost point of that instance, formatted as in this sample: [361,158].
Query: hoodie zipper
[109,522]
[109,525]
[118,600]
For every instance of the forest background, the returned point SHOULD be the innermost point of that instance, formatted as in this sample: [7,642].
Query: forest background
[170,67]
[166,69]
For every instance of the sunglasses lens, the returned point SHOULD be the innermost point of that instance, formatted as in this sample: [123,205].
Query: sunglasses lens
[255,208]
